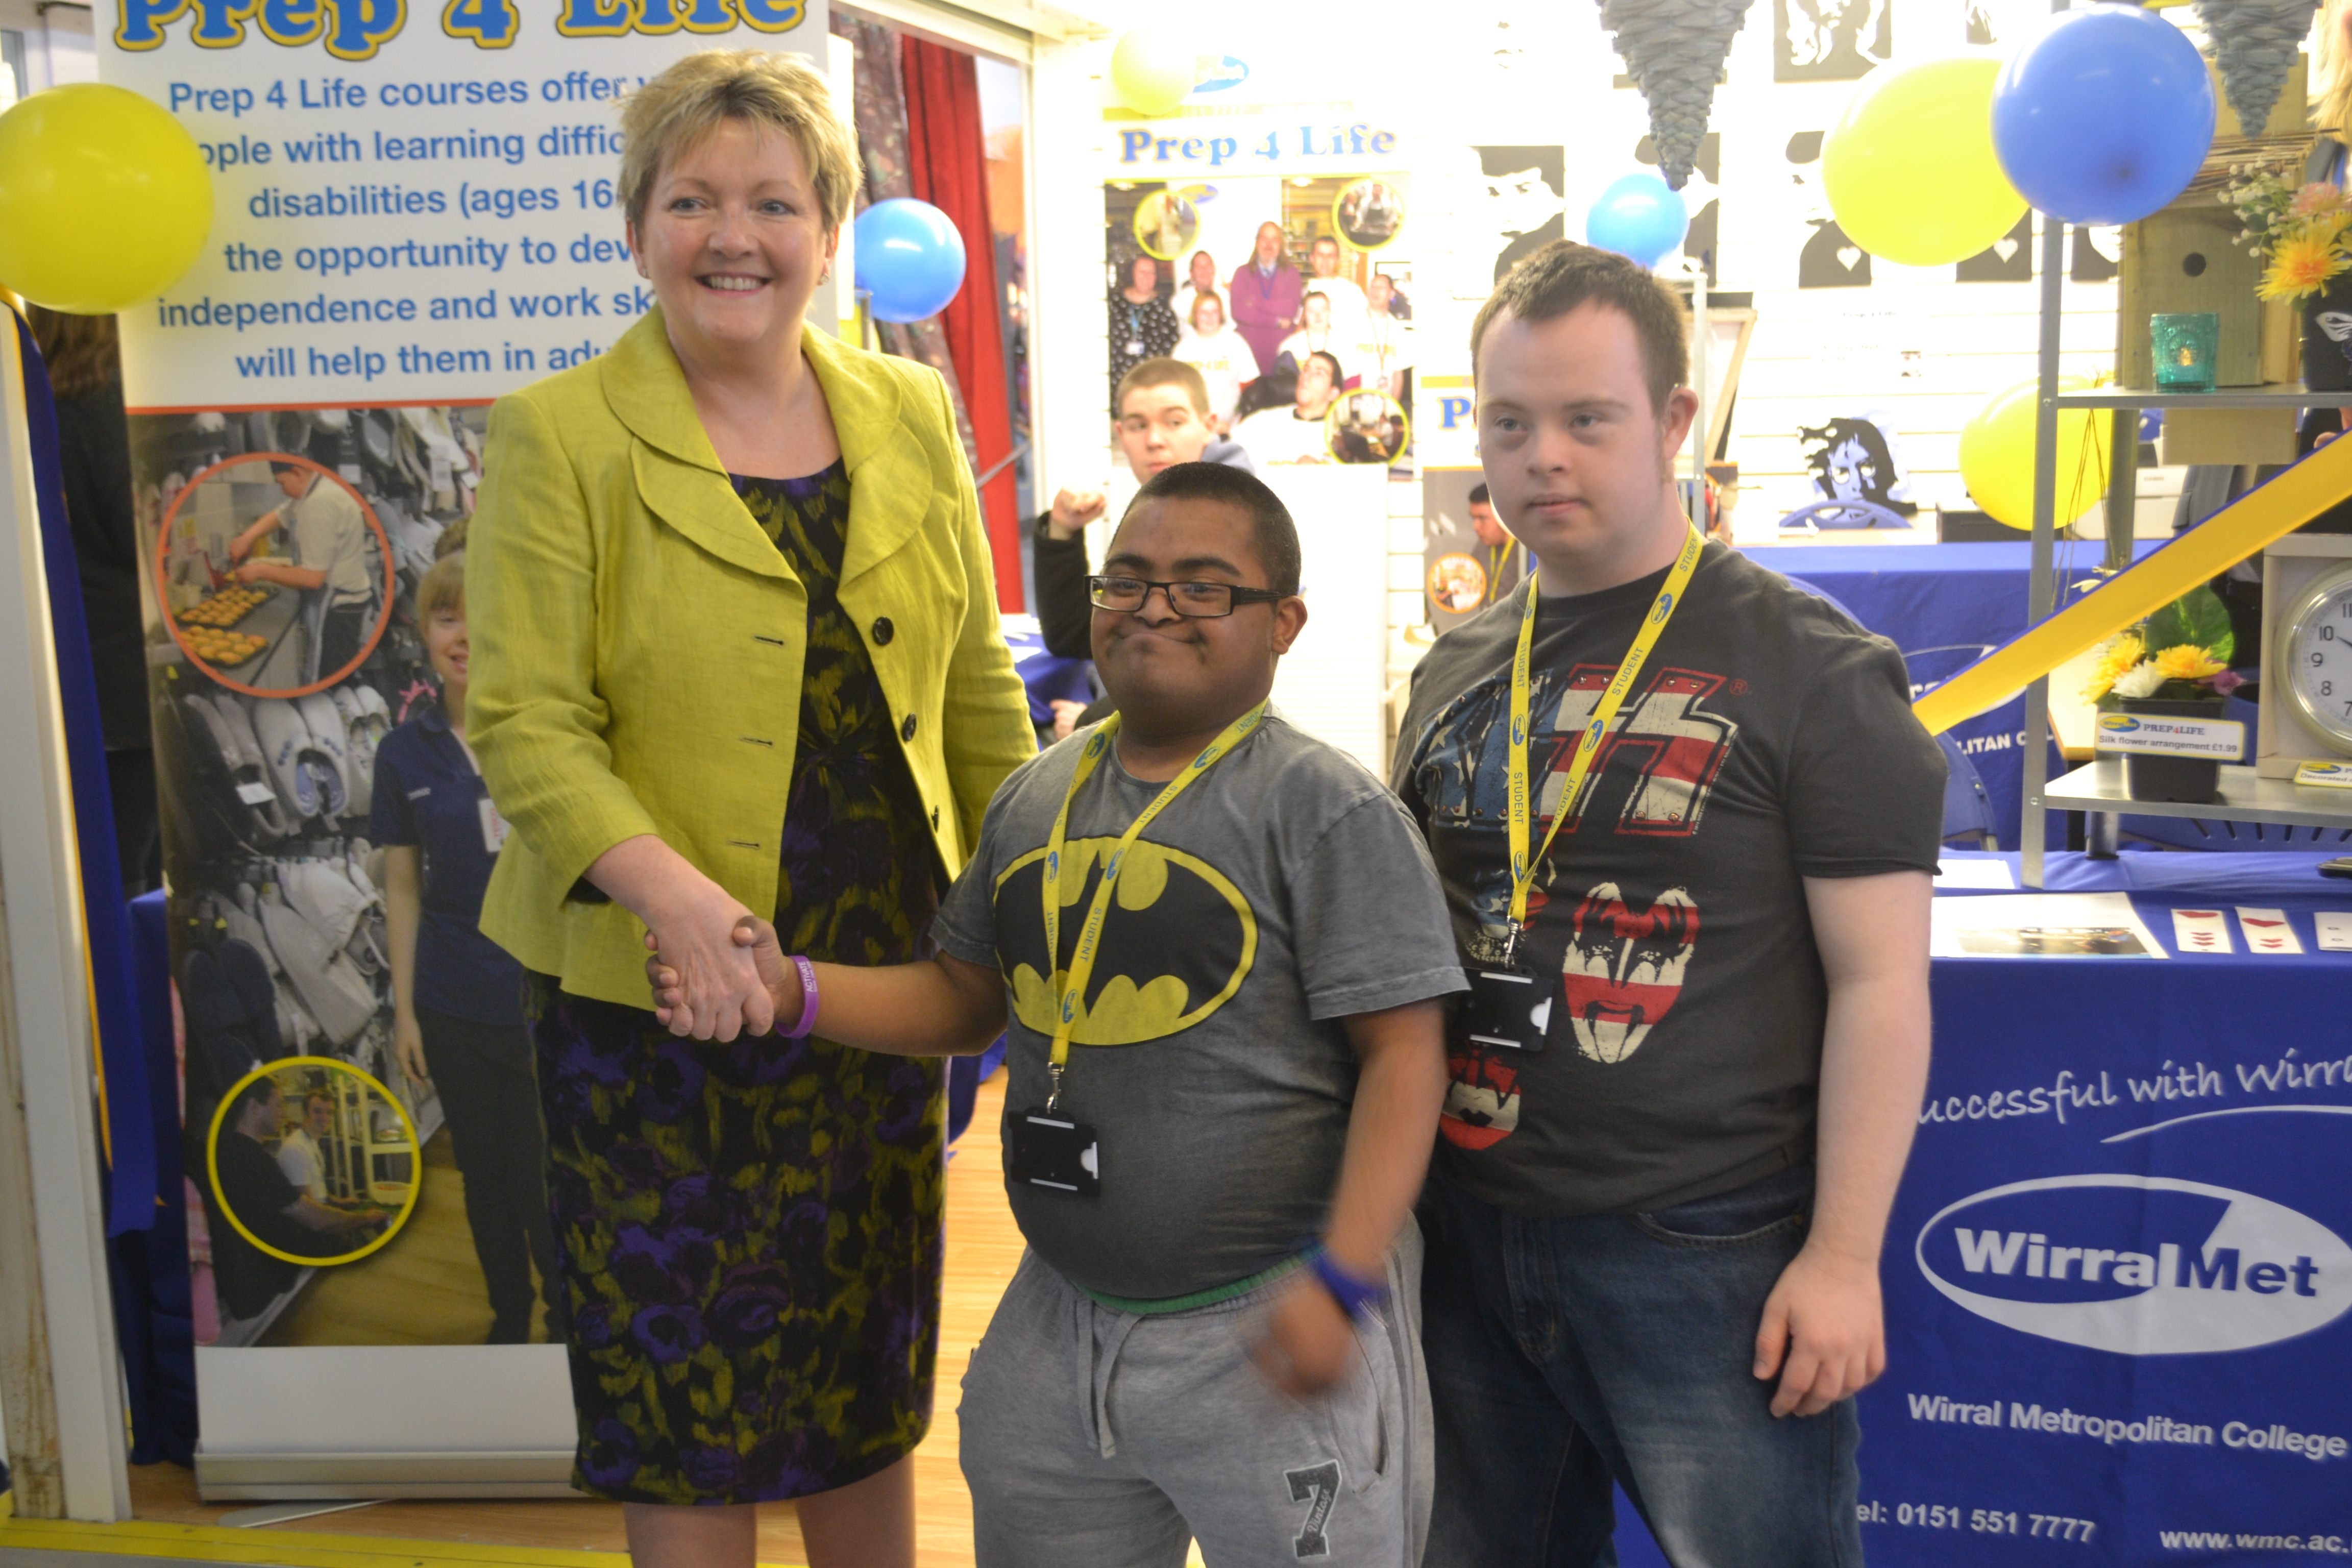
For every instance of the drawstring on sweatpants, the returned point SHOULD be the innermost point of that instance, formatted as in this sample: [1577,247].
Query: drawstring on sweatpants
[1086,1323]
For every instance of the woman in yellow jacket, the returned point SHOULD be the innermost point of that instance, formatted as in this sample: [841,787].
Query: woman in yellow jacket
[735,649]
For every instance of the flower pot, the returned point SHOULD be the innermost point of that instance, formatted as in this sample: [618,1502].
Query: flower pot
[2185,781]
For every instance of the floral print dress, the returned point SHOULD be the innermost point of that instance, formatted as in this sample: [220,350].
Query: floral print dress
[751,1232]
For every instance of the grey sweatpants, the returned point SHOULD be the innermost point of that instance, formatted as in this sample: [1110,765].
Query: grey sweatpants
[1094,1438]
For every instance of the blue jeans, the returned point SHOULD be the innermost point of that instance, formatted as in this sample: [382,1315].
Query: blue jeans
[1563,1353]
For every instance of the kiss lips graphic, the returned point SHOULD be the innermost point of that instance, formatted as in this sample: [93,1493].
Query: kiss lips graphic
[1482,1103]
[1623,970]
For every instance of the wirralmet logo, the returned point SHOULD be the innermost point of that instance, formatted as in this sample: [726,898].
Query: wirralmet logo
[2137,1265]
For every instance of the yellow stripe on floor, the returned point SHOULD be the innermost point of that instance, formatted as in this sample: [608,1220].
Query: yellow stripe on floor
[286,1548]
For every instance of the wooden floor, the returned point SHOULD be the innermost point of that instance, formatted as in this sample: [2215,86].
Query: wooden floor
[983,1247]
[425,1289]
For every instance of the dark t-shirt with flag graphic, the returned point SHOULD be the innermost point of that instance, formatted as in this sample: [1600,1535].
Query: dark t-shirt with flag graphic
[1768,738]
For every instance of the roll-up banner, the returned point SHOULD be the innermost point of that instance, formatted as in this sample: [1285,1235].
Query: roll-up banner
[416,211]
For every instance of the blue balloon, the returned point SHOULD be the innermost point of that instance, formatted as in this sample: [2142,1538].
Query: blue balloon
[909,260]
[1641,216]
[2103,117]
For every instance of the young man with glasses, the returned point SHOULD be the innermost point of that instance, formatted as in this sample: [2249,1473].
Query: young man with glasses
[1224,1085]
[1686,823]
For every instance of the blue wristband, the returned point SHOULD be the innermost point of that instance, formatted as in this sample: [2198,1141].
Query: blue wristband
[1355,1296]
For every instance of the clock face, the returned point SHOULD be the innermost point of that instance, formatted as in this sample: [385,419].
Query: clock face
[2315,647]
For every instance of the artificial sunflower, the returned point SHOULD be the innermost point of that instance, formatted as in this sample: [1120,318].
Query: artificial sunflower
[2187,662]
[2119,656]
[2305,262]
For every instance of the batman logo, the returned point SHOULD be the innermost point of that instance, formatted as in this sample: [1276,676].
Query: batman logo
[1177,941]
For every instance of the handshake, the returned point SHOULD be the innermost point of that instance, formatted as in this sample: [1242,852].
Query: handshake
[778,978]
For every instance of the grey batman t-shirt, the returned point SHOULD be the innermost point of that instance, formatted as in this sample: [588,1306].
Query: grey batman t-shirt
[1283,891]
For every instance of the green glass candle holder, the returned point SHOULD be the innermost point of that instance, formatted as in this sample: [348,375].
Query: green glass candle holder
[2184,347]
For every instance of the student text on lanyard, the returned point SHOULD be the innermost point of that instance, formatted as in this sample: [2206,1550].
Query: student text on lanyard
[1068,990]
[1588,746]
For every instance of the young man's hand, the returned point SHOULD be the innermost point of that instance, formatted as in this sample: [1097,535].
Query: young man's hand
[1308,1341]
[1073,510]
[1824,1334]
[778,976]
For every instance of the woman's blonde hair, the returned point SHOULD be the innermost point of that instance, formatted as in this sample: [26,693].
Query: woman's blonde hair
[2331,71]
[443,586]
[690,99]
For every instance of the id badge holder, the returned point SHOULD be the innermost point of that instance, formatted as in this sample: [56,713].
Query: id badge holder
[1506,1007]
[1050,1150]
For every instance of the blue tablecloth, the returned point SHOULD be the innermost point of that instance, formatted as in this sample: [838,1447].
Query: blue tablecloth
[2190,1117]
[1944,605]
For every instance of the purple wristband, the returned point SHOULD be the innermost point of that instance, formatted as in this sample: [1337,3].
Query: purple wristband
[1355,1296]
[800,1031]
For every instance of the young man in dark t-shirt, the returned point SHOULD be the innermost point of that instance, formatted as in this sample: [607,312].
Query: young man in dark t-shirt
[1686,1079]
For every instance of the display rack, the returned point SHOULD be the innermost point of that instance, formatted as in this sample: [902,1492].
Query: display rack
[2098,789]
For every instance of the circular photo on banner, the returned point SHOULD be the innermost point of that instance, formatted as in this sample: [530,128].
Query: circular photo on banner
[1166,224]
[314,1161]
[274,574]
[1367,427]
[1369,214]
[1457,582]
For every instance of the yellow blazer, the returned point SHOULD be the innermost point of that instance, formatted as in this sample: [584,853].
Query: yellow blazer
[636,641]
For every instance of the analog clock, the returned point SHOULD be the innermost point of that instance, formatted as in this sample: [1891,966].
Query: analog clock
[2315,656]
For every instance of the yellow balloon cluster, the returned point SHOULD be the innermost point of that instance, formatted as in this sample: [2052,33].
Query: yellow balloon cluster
[1152,70]
[1997,455]
[104,199]
[1910,170]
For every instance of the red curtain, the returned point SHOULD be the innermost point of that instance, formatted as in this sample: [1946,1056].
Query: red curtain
[946,164]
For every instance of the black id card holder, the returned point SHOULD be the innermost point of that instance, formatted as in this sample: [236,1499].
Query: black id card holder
[1506,1008]
[1054,1153]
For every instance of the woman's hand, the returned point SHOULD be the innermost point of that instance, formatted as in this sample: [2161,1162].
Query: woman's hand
[690,924]
[408,1050]
[778,976]
[1066,717]
[716,982]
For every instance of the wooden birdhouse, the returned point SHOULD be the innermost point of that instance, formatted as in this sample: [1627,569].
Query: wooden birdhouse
[2192,256]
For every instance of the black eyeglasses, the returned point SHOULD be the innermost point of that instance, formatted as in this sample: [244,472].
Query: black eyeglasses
[1203,601]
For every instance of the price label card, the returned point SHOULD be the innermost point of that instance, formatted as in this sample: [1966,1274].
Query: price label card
[2325,775]
[256,793]
[2222,739]
[2334,931]
[2267,931]
[2200,931]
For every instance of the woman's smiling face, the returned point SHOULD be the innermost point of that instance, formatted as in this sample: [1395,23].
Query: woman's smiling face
[734,242]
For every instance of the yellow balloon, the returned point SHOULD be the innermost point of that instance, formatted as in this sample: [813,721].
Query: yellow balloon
[1997,455]
[1910,170]
[104,199]
[1152,70]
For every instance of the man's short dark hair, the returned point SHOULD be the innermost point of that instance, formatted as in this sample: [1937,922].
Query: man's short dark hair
[276,469]
[1332,359]
[1564,275]
[252,1094]
[1478,497]
[1275,535]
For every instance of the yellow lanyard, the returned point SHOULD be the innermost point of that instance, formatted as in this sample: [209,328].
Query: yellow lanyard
[1070,987]
[1588,746]
[1495,555]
